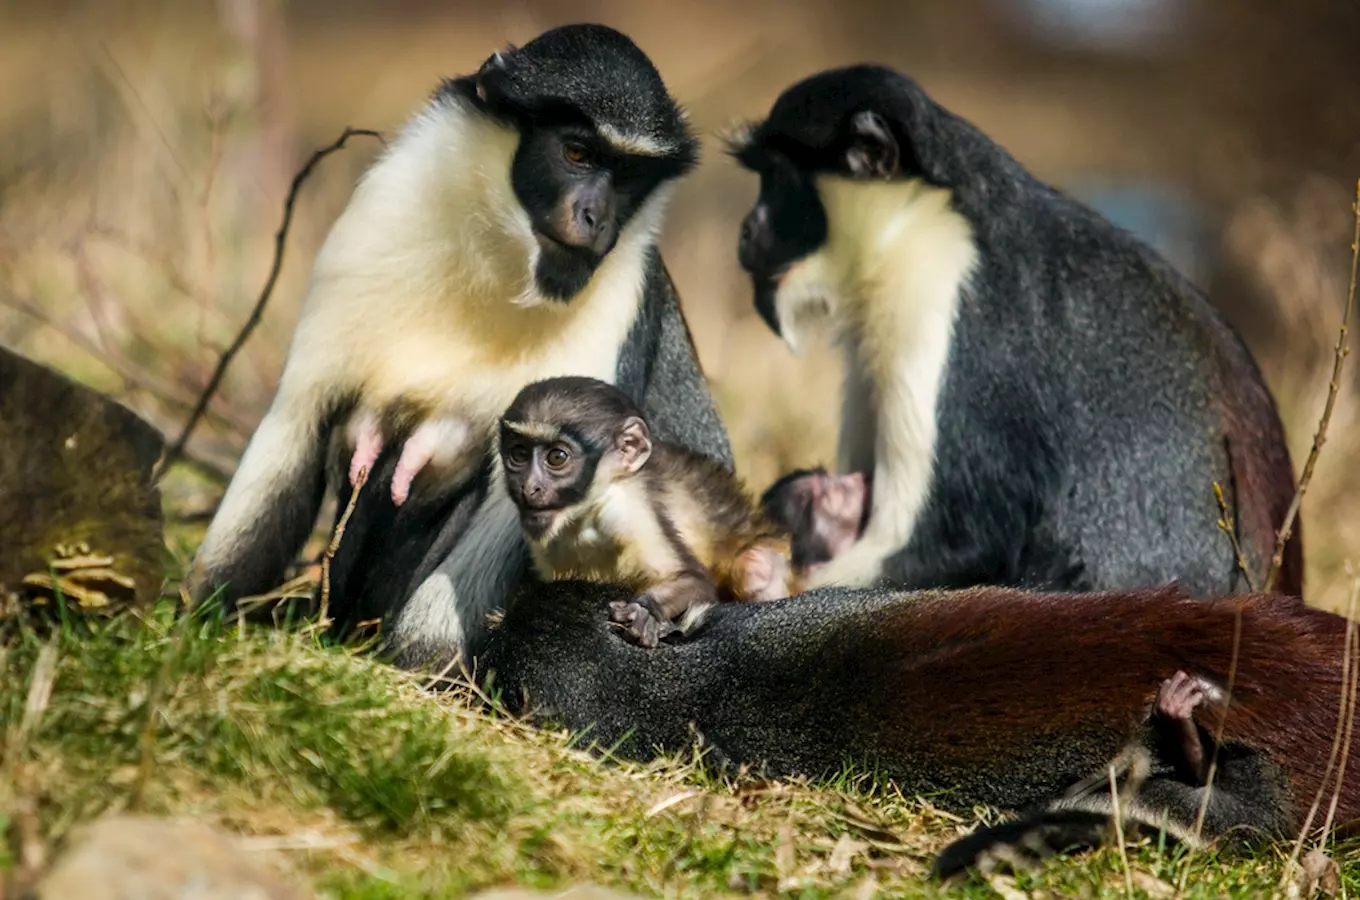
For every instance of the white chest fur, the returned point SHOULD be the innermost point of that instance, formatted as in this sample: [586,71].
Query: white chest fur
[423,289]
[887,283]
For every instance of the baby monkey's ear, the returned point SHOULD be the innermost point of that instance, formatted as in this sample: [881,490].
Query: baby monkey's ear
[633,443]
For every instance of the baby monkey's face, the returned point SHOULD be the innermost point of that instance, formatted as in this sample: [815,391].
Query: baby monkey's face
[544,477]
[563,467]
[825,513]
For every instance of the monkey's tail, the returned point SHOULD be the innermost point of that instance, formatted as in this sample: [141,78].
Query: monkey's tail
[1024,842]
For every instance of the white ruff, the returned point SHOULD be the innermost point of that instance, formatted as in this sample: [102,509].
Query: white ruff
[886,285]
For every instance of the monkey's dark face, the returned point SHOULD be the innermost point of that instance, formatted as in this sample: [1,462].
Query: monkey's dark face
[824,513]
[563,443]
[579,193]
[599,134]
[545,477]
[846,124]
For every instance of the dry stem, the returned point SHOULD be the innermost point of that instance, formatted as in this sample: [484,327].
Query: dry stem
[1229,527]
[334,545]
[1346,702]
[1333,388]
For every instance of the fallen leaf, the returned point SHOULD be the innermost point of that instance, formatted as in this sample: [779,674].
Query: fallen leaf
[1318,875]
[844,853]
[1005,886]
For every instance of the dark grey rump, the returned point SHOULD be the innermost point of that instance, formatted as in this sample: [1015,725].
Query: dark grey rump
[387,552]
[1081,424]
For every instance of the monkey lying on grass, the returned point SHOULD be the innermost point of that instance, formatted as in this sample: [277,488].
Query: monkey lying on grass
[599,499]
[964,695]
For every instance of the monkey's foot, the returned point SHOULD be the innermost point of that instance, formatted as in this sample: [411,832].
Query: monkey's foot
[641,626]
[445,438]
[762,574]
[1178,696]
[1177,699]
[367,445]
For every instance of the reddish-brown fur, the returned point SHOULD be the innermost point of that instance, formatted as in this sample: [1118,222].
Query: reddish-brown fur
[1102,658]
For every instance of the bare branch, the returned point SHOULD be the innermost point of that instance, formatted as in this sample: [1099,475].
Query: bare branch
[1333,388]
[1229,527]
[1347,703]
[176,449]
[334,546]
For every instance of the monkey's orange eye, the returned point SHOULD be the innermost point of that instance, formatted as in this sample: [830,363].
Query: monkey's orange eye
[557,457]
[576,153]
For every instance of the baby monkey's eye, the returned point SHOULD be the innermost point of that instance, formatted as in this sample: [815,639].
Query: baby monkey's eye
[557,457]
[518,454]
[575,153]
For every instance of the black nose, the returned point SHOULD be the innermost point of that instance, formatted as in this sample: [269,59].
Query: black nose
[752,247]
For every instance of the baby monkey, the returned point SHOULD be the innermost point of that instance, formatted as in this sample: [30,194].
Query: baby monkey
[600,499]
[823,513]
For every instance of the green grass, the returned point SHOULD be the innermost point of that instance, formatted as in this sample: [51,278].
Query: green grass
[400,792]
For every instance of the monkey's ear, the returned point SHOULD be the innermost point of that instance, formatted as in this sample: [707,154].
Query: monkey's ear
[873,151]
[634,443]
[495,64]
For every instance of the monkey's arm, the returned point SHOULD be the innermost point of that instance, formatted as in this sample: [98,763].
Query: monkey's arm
[1173,714]
[272,501]
[903,441]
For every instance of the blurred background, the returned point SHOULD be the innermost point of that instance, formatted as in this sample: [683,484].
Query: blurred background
[146,149]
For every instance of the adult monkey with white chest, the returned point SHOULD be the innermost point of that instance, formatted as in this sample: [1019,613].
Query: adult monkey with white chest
[1042,401]
[509,233]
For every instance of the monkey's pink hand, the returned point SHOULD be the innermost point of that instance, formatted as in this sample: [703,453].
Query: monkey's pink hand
[763,574]
[1178,697]
[415,453]
[445,438]
[367,446]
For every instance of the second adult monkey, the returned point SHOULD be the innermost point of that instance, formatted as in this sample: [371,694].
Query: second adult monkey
[600,500]
[1041,399]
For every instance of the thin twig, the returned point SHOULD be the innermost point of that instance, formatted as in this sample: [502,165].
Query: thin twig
[1346,701]
[1223,719]
[1119,834]
[1229,527]
[333,547]
[176,449]
[1345,747]
[1333,388]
